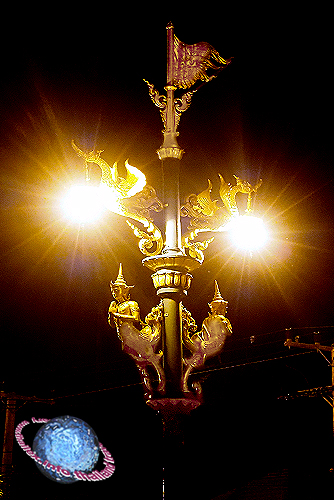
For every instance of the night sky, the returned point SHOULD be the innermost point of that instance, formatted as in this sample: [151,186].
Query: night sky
[79,75]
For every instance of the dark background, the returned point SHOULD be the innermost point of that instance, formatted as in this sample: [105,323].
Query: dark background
[78,74]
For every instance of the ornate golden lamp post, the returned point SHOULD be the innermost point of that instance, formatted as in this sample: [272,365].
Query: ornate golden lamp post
[167,346]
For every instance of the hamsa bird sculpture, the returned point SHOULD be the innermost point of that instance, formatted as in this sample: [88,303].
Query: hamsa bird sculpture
[206,215]
[130,197]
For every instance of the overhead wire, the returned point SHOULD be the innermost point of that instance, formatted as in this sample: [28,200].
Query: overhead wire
[252,340]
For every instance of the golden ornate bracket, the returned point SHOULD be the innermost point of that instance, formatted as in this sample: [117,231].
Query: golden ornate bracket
[206,216]
[133,198]
[130,197]
[181,104]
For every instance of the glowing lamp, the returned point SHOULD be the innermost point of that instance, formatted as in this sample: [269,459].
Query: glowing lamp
[83,203]
[247,232]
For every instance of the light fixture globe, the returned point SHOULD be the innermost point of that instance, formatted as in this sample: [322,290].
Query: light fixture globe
[247,232]
[82,203]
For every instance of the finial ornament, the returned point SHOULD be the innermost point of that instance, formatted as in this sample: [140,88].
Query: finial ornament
[120,281]
[186,65]
[217,296]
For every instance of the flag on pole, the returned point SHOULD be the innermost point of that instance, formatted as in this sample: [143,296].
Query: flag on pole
[191,62]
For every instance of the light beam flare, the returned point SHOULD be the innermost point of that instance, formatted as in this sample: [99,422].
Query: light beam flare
[82,204]
[247,232]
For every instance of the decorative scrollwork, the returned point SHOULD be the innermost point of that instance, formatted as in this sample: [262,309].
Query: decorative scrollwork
[195,248]
[181,104]
[228,193]
[158,100]
[204,213]
[151,242]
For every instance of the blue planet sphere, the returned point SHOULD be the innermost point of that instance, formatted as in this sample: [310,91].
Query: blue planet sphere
[68,442]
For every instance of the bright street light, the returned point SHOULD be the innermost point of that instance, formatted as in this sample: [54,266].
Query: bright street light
[82,203]
[247,232]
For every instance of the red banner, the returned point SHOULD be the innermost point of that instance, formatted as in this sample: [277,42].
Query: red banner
[191,62]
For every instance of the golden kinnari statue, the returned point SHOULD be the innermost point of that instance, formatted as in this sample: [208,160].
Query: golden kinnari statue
[139,339]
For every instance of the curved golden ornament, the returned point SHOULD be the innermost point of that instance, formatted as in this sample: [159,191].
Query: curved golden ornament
[195,248]
[130,197]
[206,216]
[150,243]
[228,193]
[181,104]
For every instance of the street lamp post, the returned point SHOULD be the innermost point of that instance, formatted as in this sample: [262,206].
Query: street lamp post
[167,346]
[170,155]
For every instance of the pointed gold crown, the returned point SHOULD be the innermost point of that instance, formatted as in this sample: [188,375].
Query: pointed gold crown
[120,281]
[217,296]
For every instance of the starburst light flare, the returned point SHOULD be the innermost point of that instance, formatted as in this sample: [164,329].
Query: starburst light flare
[82,203]
[247,232]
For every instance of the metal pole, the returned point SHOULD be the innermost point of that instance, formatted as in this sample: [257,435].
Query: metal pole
[332,360]
[7,449]
[170,122]
[173,363]
[171,169]
[172,280]
[170,155]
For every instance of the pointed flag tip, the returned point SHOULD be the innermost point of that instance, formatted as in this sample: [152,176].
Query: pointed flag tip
[169,25]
